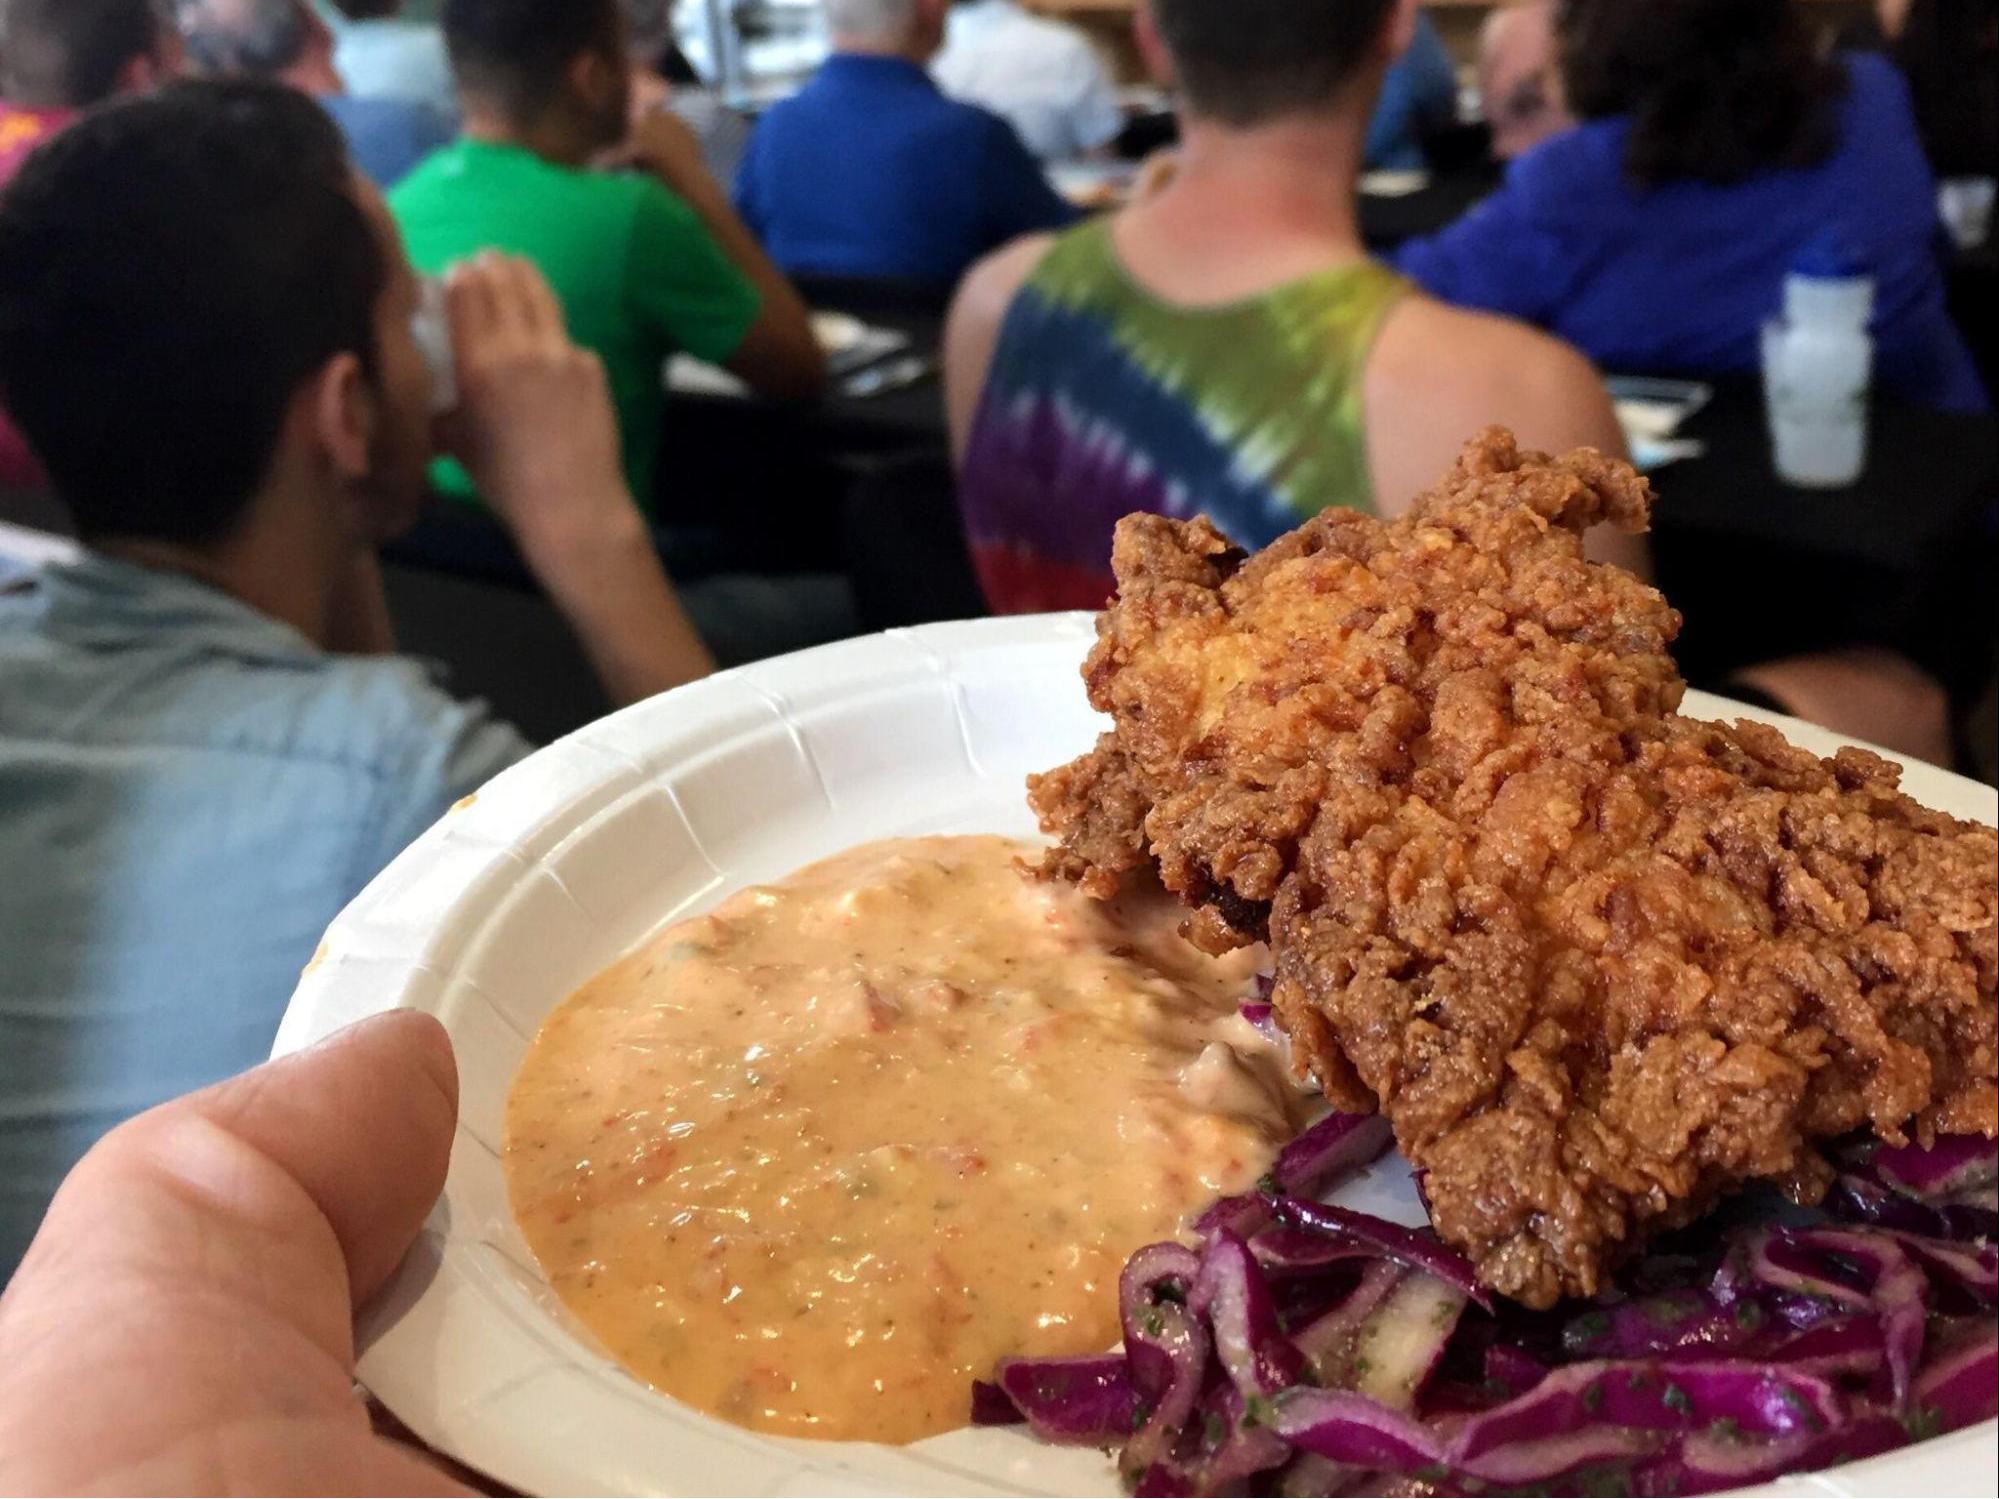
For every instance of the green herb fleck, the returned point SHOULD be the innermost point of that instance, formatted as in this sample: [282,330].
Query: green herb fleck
[1802,1406]
[1266,1186]
[1748,1315]
[1593,1396]
[1728,1429]
[1585,1330]
[1256,1411]
[1152,1323]
[1922,1423]
[1434,1473]
[1640,1382]
[1215,1429]
[1676,1400]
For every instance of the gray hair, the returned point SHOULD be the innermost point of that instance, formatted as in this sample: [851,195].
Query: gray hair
[260,38]
[885,20]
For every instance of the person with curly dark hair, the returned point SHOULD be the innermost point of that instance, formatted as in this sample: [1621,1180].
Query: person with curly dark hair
[1716,142]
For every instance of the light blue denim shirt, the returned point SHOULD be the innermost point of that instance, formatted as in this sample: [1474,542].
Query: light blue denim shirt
[189,792]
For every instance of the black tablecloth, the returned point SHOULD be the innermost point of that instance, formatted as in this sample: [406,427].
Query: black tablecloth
[1902,558]
[1386,223]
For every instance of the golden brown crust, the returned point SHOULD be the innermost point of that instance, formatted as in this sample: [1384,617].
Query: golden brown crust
[1598,963]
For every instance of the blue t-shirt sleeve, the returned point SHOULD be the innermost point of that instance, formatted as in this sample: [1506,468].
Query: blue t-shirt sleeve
[1498,257]
[1018,196]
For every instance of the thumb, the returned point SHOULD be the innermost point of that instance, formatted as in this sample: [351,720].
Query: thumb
[363,1123]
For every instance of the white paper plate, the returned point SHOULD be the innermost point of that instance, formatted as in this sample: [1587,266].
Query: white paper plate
[566,862]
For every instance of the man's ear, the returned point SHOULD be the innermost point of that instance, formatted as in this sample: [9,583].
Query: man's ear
[1151,46]
[1402,27]
[340,410]
[595,76]
[141,75]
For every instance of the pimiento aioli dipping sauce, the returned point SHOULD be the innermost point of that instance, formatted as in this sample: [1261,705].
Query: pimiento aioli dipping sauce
[816,1161]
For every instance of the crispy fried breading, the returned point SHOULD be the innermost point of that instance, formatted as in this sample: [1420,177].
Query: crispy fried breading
[1597,963]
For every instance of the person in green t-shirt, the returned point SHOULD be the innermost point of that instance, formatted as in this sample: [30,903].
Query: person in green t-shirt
[647,261]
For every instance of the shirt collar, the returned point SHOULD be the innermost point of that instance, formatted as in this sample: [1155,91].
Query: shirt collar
[103,603]
[865,69]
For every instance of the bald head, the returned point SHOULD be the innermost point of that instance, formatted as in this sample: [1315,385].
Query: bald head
[75,53]
[281,40]
[1518,77]
[907,28]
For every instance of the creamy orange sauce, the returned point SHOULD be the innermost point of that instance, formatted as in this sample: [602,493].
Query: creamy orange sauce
[816,1161]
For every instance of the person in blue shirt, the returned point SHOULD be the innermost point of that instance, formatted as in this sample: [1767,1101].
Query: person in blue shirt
[287,42]
[1419,93]
[870,172]
[207,744]
[386,49]
[1716,143]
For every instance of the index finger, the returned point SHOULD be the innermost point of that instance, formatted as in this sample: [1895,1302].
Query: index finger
[539,306]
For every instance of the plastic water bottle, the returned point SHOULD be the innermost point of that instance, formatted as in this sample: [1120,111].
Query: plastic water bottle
[1818,364]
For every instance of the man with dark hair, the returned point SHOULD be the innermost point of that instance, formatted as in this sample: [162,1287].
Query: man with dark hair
[57,58]
[870,172]
[286,42]
[646,262]
[207,745]
[1226,344]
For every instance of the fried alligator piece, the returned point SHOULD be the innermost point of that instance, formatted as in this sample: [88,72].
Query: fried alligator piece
[1596,962]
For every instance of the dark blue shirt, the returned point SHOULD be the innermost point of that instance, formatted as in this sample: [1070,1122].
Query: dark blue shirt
[387,137]
[869,171]
[1680,279]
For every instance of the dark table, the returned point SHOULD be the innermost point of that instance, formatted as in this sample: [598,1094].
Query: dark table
[1387,223]
[745,482]
[1903,558]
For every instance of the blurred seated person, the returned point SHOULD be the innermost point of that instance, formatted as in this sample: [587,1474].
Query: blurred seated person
[1226,345]
[1418,94]
[208,743]
[647,262]
[1041,76]
[869,172]
[1518,79]
[663,78]
[381,54]
[286,42]
[1718,143]
[57,58]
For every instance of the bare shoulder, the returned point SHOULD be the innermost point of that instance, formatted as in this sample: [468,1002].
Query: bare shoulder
[988,288]
[1478,355]
[972,329]
[1439,374]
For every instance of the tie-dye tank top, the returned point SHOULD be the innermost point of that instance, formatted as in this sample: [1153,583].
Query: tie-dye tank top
[1102,399]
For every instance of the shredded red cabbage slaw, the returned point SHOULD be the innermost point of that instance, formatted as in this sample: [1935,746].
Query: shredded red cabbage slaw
[1305,1349]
